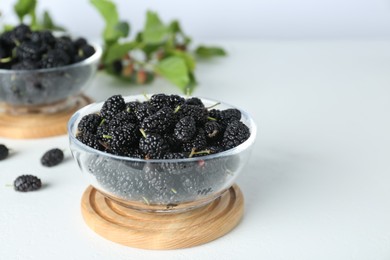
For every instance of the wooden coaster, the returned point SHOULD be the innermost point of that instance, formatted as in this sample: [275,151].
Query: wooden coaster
[38,125]
[158,230]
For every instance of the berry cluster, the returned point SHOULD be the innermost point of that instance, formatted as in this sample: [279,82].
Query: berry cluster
[164,127]
[24,49]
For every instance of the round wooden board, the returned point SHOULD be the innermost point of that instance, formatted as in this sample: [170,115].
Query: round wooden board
[158,230]
[27,126]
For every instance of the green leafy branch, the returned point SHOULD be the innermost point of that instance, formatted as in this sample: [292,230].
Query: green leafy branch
[159,48]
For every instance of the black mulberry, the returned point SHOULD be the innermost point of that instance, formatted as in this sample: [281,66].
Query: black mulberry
[160,122]
[199,114]
[235,134]
[30,51]
[65,43]
[122,138]
[122,118]
[198,143]
[144,110]
[27,183]
[89,123]
[194,101]
[91,140]
[185,129]
[52,157]
[4,151]
[55,58]
[213,130]
[161,100]
[112,106]
[154,146]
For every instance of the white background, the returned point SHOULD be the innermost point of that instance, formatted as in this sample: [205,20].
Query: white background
[317,184]
[227,19]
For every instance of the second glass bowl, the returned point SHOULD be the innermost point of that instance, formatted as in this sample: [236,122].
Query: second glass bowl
[45,90]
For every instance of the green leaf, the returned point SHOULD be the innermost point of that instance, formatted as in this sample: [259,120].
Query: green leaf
[188,58]
[154,30]
[107,10]
[175,27]
[24,7]
[48,23]
[113,33]
[149,49]
[123,28]
[175,70]
[207,52]
[114,28]
[118,50]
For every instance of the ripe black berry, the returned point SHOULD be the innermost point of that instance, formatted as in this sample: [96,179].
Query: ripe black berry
[161,100]
[194,101]
[91,140]
[144,110]
[198,143]
[199,113]
[122,118]
[3,151]
[185,129]
[213,130]
[112,106]
[79,42]
[55,58]
[122,138]
[86,51]
[235,134]
[89,123]
[52,157]
[43,37]
[230,114]
[154,146]
[65,43]
[27,183]
[21,32]
[30,51]
[159,122]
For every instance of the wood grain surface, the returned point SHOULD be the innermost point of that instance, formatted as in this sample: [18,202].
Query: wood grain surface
[150,230]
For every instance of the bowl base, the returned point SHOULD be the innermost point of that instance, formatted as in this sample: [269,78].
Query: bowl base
[158,230]
[38,125]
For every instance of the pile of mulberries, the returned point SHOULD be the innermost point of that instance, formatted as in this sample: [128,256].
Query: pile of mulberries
[25,49]
[166,126]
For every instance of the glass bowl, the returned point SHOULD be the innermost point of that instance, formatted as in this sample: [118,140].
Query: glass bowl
[43,90]
[159,185]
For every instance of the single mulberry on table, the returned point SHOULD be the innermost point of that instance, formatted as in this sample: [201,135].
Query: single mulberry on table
[52,157]
[4,151]
[27,183]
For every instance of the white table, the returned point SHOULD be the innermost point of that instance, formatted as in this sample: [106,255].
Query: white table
[316,186]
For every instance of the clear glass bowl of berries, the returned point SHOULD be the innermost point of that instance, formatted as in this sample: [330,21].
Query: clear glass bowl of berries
[41,72]
[161,153]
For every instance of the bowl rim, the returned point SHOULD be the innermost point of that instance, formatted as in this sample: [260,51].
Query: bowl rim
[88,61]
[238,149]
